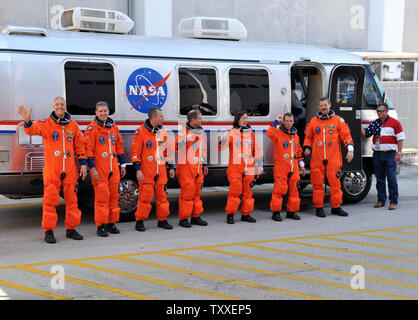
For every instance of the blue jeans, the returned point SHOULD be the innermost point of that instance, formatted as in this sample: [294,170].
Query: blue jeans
[385,167]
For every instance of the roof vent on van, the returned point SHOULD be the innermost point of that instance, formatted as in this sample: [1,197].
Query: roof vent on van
[212,28]
[24,30]
[98,20]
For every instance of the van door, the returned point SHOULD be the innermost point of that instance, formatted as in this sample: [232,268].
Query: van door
[345,93]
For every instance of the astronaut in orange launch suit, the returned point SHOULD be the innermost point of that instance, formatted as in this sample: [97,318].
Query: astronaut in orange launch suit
[63,142]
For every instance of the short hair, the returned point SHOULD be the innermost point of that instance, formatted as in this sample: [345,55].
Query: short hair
[324,99]
[58,97]
[192,114]
[383,104]
[102,103]
[153,112]
[288,114]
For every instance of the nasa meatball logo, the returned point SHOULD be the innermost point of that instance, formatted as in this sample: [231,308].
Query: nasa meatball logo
[146,89]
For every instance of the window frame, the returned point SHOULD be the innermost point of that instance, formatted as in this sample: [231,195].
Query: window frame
[188,66]
[372,78]
[90,61]
[228,89]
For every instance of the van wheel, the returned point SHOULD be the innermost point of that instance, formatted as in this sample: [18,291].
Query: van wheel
[128,199]
[356,185]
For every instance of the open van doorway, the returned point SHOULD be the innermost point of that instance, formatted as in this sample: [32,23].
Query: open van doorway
[307,86]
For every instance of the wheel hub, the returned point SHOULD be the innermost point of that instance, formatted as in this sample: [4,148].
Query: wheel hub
[354,182]
[128,195]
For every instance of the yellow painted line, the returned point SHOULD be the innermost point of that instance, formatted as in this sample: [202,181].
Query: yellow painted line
[403,232]
[334,259]
[350,251]
[25,205]
[156,281]
[388,229]
[20,205]
[385,238]
[203,247]
[200,274]
[368,244]
[347,274]
[87,283]
[335,234]
[331,284]
[33,291]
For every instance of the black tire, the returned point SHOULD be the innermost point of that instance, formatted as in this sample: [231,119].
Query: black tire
[356,185]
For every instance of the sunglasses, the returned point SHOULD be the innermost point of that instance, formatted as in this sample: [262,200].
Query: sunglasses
[380,111]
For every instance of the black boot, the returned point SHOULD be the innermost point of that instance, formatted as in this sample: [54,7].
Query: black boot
[248,218]
[292,215]
[339,211]
[73,234]
[199,221]
[276,216]
[112,228]
[101,231]
[164,224]
[230,219]
[139,226]
[184,223]
[49,237]
[320,212]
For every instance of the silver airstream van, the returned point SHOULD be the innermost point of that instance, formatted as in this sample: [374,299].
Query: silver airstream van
[136,73]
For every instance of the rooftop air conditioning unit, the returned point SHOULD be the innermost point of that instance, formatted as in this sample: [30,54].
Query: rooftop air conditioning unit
[98,20]
[212,28]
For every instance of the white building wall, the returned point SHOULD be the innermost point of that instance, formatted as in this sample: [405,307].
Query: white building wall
[349,24]
[45,13]
[386,25]
[341,24]
[152,18]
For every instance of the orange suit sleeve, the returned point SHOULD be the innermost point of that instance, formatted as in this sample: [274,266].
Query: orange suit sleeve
[90,141]
[271,133]
[137,146]
[119,143]
[79,147]
[344,132]
[309,133]
[36,128]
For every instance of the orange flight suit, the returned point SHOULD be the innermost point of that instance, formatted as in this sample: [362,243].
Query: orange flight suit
[104,145]
[244,154]
[191,147]
[63,142]
[322,136]
[287,154]
[151,150]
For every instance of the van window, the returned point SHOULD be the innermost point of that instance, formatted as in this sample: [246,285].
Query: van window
[87,83]
[382,91]
[249,91]
[198,87]
[346,89]
[371,95]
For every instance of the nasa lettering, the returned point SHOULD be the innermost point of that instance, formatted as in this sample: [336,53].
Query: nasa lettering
[146,89]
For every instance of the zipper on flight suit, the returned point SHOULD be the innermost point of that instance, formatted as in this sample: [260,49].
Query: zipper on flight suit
[157,156]
[325,149]
[110,154]
[198,157]
[292,155]
[64,155]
